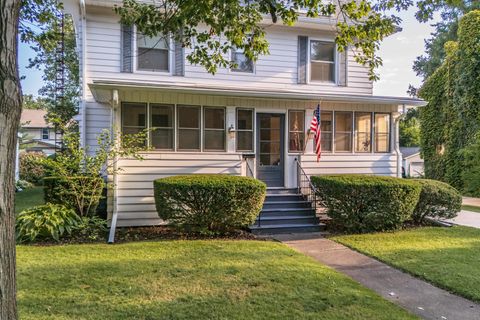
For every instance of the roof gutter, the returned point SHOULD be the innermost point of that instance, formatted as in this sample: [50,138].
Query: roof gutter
[265,93]
[83,20]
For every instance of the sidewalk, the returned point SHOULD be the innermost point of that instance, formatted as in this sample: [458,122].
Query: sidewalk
[466,218]
[471,201]
[415,295]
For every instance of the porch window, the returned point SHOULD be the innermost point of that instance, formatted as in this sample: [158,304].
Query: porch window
[245,130]
[363,132]
[188,128]
[382,132]
[322,61]
[343,131]
[152,53]
[134,117]
[162,124]
[214,129]
[326,120]
[243,63]
[296,130]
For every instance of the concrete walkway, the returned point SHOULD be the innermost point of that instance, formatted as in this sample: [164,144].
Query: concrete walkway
[471,201]
[466,218]
[417,296]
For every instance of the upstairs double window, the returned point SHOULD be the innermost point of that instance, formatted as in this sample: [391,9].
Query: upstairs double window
[152,53]
[322,61]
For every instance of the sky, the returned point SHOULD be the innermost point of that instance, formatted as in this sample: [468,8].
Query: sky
[397,51]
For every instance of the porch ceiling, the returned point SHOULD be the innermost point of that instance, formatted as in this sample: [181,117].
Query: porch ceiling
[102,92]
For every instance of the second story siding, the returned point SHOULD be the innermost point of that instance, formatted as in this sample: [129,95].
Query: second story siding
[279,70]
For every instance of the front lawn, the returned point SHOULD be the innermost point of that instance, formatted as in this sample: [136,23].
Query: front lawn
[447,257]
[188,280]
[28,198]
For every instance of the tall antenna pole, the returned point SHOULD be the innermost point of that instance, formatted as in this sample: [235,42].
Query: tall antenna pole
[59,76]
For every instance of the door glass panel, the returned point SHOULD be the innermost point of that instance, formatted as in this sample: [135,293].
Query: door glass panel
[269,160]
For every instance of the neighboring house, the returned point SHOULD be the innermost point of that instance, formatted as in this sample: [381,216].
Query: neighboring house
[412,163]
[36,133]
[246,121]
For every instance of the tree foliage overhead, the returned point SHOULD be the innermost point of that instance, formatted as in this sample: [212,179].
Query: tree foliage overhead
[445,31]
[211,28]
[450,123]
[410,129]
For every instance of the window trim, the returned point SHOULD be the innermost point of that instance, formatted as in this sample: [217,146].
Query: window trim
[178,128]
[245,130]
[145,71]
[151,128]
[232,52]
[302,132]
[47,130]
[335,62]
[355,135]
[389,133]
[204,129]
[332,132]
[351,133]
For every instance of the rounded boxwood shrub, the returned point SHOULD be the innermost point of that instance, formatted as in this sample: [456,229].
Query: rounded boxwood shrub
[361,203]
[214,203]
[31,167]
[437,200]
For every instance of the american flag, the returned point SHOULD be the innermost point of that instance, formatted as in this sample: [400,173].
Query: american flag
[315,127]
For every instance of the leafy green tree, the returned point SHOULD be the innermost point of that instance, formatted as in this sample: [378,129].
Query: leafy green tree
[30,102]
[210,28]
[410,129]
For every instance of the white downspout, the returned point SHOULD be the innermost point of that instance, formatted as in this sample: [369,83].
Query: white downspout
[113,120]
[397,141]
[84,73]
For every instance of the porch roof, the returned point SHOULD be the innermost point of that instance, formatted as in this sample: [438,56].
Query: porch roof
[102,92]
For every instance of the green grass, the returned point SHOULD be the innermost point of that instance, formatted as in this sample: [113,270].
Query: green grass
[188,280]
[28,198]
[446,257]
[470,208]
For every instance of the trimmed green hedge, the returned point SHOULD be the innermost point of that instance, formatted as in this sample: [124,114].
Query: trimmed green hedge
[214,203]
[361,203]
[437,200]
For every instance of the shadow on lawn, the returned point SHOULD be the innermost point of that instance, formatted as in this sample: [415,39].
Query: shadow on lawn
[187,280]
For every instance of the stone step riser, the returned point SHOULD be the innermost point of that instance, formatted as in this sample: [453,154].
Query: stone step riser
[284,197]
[286,205]
[265,223]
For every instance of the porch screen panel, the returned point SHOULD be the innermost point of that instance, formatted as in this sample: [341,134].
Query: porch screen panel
[327,131]
[188,137]
[245,130]
[214,129]
[296,130]
[363,132]
[162,124]
[134,116]
[343,131]
[382,132]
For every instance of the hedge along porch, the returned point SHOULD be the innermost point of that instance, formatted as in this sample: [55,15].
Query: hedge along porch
[238,132]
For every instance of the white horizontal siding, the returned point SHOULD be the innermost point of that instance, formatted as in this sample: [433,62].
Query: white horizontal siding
[377,164]
[278,70]
[135,202]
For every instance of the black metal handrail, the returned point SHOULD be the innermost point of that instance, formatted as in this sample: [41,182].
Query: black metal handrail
[305,186]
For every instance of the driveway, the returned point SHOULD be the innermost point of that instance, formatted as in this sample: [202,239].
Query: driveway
[466,218]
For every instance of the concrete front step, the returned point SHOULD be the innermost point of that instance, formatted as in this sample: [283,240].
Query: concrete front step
[286,204]
[272,191]
[286,228]
[284,197]
[273,221]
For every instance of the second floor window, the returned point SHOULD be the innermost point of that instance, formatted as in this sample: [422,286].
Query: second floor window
[322,61]
[45,133]
[152,53]
[243,63]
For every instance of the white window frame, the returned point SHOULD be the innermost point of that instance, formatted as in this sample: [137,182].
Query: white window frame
[45,131]
[335,62]
[135,57]
[254,64]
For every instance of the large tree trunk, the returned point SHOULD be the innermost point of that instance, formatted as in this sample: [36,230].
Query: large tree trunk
[10,110]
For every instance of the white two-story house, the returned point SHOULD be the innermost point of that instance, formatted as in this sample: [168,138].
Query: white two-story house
[252,120]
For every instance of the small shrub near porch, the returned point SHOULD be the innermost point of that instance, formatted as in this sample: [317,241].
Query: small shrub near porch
[209,203]
[361,203]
